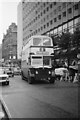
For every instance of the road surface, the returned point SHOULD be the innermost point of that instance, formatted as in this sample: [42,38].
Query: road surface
[41,99]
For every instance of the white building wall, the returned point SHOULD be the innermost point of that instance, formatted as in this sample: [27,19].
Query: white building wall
[19,30]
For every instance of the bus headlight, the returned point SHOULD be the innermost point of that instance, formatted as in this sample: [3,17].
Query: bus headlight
[49,72]
[36,72]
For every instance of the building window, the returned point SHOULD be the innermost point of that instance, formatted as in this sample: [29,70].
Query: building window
[51,5]
[51,14]
[47,8]
[36,12]
[70,23]
[47,24]
[68,3]
[47,16]
[51,22]
[44,26]
[64,4]
[59,8]
[41,13]
[38,16]
[76,6]
[59,29]
[51,32]
[44,11]
[65,27]
[71,30]
[64,14]
[59,17]
[69,10]
[54,3]
[47,33]
[70,26]
[34,21]
[55,11]
[41,28]
[44,4]
[44,19]
[38,3]
[38,29]
[76,21]
[55,19]
[55,31]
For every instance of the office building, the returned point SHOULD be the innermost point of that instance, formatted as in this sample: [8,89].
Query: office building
[49,18]
[19,30]
[9,44]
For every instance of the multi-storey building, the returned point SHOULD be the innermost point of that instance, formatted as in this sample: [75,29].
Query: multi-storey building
[9,44]
[0,51]
[0,54]
[49,18]
[19,31]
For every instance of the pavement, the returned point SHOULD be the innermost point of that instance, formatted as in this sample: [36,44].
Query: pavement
[66,84]
[4,112]
[58,84]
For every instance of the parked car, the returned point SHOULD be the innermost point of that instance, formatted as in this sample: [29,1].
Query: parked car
[17,71]
[4,78]
[9,71]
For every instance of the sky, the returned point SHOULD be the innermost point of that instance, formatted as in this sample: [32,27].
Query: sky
[8,14]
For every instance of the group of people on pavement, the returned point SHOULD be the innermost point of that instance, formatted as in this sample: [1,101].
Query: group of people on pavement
[70,73]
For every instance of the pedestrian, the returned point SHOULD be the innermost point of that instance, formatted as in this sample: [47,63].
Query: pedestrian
[71,74]
[75,78]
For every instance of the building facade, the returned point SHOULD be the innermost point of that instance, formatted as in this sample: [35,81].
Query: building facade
[19,30]
[50,18]
[0,54]
[9,44]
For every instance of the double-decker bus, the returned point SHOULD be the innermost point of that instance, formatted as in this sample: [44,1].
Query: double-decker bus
[36,59]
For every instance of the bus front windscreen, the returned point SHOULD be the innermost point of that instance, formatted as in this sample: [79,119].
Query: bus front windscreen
[46,60]
[36,61]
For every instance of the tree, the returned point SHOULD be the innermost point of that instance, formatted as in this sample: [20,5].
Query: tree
[55,40]
[76,39]
[65,41]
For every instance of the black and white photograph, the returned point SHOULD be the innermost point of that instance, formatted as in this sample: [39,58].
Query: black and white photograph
[39,59]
